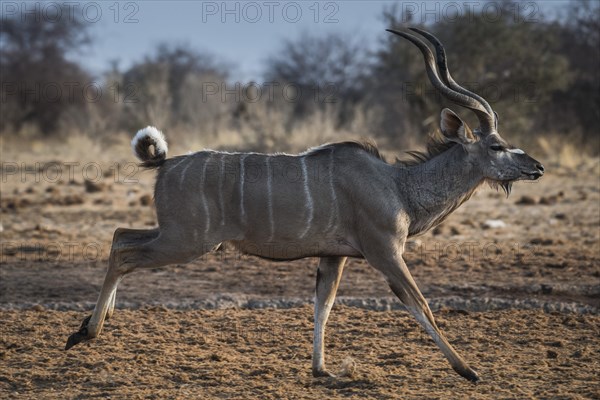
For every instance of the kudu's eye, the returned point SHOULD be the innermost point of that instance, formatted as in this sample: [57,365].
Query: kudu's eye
[496,147]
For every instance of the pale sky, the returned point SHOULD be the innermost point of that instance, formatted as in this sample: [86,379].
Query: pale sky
[244,33]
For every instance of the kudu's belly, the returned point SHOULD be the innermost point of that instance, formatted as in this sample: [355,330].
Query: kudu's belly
[296,250]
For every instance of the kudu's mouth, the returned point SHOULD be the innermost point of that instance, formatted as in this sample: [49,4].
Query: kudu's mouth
[532,175]
[506,185]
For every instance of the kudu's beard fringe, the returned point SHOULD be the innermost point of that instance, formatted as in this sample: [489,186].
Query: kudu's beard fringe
[505,185]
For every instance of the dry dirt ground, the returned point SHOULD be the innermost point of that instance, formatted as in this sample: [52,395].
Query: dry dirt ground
[516,283]
[265,354]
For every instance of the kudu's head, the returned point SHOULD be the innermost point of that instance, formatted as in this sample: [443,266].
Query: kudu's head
[500,163]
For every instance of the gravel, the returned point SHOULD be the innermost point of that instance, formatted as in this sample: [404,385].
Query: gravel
[224,301]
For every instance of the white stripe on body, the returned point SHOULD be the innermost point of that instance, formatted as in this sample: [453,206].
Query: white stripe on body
[334,205]
[309,200]
[203,196]
[242,172]
[221,177]
[270,199]
[183,158]
[166,181]
[181,180]
[181,183]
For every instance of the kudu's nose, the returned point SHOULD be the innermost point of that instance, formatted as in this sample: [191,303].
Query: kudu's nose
[539,171]
[540,168]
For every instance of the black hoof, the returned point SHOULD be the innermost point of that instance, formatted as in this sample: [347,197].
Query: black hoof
[85,322]
[80,336]
[469,374]
[322,373]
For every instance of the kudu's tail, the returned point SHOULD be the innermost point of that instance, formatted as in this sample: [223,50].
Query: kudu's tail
[143,139]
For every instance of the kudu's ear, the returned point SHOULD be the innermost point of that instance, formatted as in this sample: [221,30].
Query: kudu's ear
[454,128]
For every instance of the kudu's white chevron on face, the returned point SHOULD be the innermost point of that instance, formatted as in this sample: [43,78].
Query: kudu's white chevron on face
[335,201]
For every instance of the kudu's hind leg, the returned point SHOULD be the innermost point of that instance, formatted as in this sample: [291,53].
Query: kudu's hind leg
[403,285]
[143,252]
[128,237]
[329,274]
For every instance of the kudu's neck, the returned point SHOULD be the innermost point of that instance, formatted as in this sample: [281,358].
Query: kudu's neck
[435,188]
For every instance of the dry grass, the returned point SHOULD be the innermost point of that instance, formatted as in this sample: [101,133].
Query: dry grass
[564,151]
[264,130]
[269,130]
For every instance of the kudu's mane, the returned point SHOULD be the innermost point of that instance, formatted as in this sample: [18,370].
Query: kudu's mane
[366,145]
[436,144]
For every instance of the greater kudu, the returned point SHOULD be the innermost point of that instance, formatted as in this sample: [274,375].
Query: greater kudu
[334,201]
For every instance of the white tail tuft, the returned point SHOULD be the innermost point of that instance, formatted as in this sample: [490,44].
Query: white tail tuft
[143,139]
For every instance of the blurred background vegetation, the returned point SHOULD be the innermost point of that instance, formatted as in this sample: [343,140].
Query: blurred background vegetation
[542,77]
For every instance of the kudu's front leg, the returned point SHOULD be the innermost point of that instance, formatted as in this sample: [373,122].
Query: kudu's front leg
[329,274]
[391,264]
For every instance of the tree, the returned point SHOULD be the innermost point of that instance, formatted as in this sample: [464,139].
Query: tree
[39,84]
[397,85]
[577,107]
[167,87]
[326,70]
[515,63]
